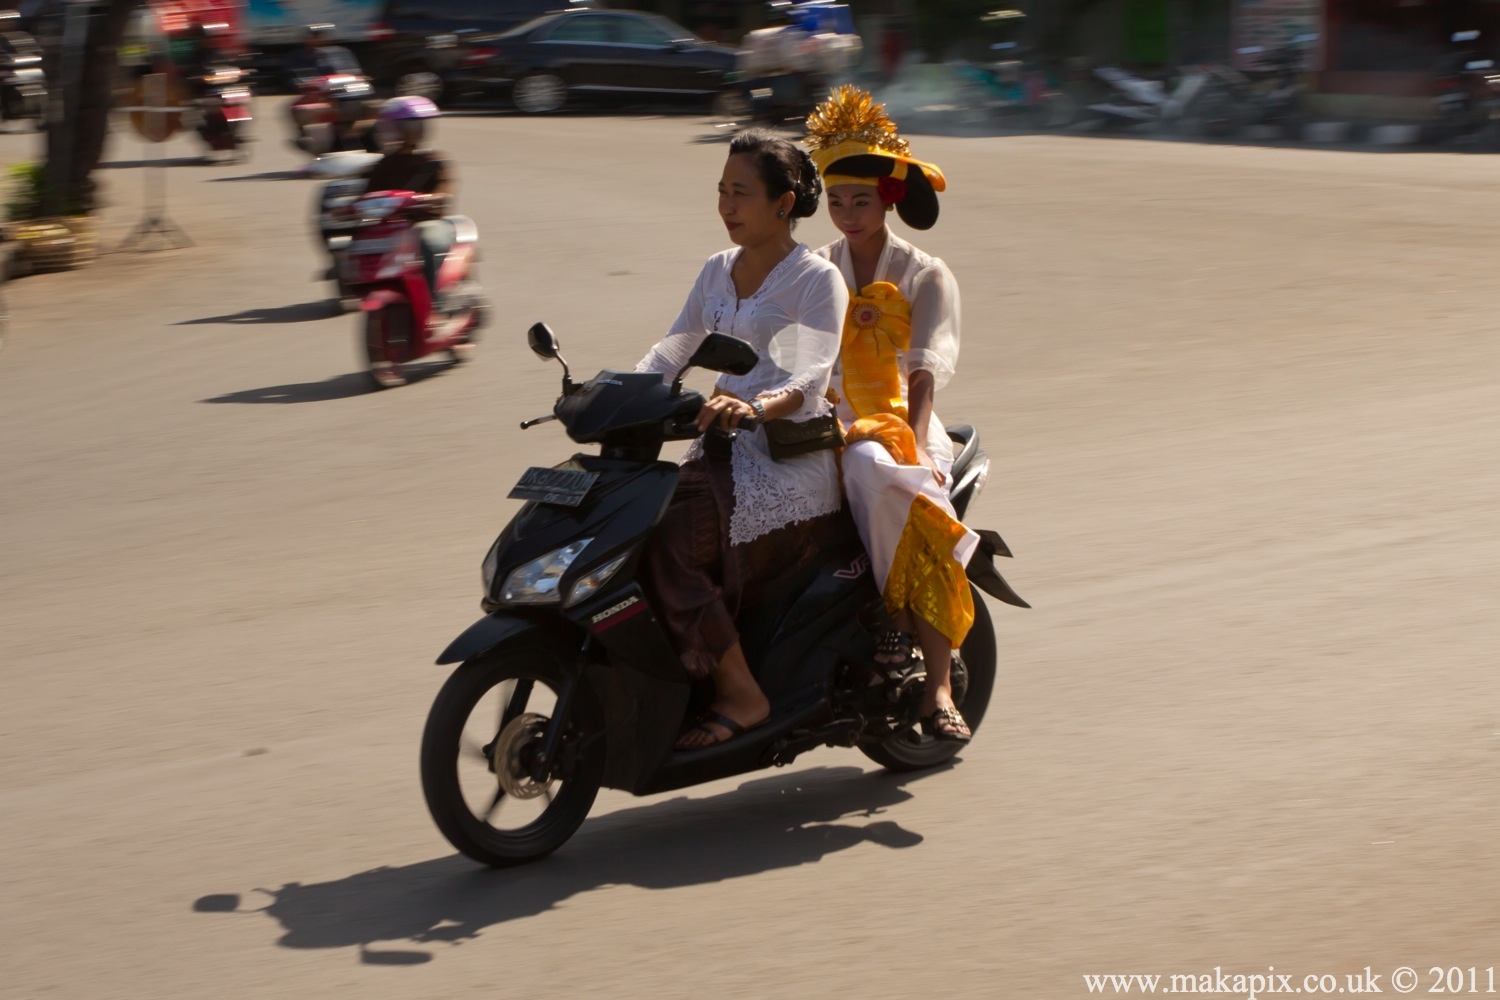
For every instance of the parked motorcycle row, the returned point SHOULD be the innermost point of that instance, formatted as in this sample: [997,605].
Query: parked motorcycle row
[1212,101]
[1218,101]
[23,82]
[1468,92]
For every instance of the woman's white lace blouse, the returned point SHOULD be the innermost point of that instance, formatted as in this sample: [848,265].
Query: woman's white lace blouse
[794,321]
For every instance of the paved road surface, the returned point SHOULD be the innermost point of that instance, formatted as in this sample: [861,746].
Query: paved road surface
[1243,413]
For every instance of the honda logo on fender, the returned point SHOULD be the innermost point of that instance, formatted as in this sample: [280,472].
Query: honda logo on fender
[613,615]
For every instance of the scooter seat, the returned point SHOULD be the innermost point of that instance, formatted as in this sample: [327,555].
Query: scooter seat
[966,445]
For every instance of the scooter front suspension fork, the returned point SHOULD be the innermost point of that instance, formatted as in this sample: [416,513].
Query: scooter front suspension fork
[558,724]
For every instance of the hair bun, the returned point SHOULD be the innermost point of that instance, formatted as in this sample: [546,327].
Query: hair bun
[784,168]
[809,189]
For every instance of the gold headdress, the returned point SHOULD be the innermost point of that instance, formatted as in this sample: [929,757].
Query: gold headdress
[853,141]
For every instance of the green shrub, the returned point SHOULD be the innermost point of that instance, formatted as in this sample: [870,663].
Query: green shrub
[26,193]
[25,190]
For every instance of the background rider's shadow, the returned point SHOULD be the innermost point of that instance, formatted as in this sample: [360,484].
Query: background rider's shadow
[765,824]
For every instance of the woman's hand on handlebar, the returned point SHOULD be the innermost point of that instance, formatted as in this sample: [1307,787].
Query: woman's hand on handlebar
[724,412]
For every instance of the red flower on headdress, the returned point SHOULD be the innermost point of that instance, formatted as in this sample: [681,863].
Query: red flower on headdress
[891,190]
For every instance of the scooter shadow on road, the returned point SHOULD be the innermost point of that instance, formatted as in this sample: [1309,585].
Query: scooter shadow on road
[170,161]
[770,823]
[336,387]
[268,175]
[301,312]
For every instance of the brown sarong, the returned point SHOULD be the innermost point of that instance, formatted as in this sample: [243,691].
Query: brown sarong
[697,581]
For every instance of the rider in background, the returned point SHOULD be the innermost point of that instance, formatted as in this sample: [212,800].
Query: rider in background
[408,165]
[319,58]
[779,58]
[200,53]
[315,60]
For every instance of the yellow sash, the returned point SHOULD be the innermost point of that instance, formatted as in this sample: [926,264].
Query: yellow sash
[876,329]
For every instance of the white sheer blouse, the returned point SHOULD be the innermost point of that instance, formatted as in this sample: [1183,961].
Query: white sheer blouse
[927,284]
[794,320]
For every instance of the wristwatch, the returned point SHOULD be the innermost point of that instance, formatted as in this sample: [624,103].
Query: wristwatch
[759,409]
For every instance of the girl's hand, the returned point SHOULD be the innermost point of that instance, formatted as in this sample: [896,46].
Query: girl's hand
[724,411]
[926,461]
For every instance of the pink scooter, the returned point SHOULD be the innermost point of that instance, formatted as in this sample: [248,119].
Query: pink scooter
[382,266]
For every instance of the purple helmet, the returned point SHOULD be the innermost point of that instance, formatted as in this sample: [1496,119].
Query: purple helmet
[399,109]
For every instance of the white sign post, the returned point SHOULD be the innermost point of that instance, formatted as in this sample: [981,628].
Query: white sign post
[156,117]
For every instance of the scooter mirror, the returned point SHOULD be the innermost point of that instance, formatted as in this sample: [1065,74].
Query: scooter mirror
[543,341]
[720,352]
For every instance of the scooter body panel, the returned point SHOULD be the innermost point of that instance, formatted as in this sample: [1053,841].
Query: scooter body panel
[618,512]
[457,263]
[819,629]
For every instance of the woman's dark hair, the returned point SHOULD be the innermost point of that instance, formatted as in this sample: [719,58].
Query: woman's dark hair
[782,167]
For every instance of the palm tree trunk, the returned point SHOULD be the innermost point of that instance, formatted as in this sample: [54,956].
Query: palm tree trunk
[75,146]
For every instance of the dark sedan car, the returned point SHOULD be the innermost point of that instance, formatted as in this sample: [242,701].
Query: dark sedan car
[594,54]
[434,36]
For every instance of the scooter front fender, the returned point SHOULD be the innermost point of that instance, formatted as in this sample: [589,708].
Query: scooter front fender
[484,635]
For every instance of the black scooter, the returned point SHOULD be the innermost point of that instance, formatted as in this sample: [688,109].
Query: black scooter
[570,682]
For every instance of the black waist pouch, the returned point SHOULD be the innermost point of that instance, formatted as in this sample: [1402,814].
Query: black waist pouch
[790,438]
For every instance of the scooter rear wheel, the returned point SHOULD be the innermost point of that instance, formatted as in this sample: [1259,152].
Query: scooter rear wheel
[483,733]
[908,751]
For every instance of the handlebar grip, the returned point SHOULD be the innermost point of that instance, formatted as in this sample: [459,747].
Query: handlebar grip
[689,428]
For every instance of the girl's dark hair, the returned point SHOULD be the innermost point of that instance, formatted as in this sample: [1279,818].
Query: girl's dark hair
[782,167]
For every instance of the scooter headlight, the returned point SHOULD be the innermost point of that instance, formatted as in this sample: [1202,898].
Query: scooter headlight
[537,582]
[588,584]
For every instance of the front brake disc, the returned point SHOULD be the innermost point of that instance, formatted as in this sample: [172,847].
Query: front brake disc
[513,774]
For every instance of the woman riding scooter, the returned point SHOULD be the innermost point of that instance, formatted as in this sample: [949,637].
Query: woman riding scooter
[406,166]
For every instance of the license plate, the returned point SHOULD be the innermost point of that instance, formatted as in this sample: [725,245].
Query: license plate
[562,487]
[363,247]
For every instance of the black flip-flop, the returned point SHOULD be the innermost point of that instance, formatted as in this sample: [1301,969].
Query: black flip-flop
[711,718]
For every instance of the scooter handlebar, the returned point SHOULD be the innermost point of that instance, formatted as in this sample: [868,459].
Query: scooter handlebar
[688,429]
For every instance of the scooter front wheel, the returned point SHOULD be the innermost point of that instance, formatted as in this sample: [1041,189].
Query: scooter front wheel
[480,751]
[388,343]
